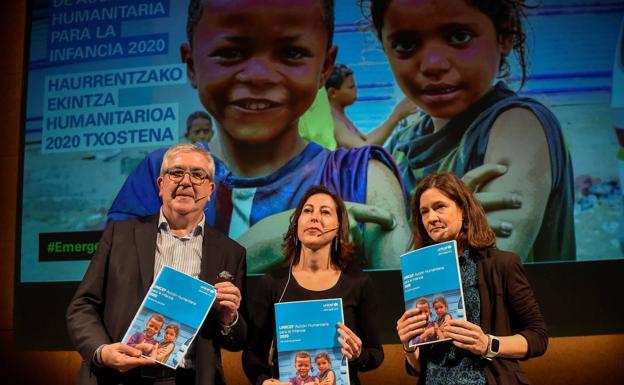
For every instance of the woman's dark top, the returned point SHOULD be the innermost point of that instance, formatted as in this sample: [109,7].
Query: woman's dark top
[446,363]
[359,306]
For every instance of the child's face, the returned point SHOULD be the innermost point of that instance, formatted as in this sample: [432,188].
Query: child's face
[258,65]
[347,93]
[302,365]
[170,334]
[424,309]
[152,328]
[439,308]
[200,130]
[444,54]
[322,364]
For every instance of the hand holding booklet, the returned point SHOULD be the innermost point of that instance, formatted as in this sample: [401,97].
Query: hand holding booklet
[170,316]
[307,342]
[432,283]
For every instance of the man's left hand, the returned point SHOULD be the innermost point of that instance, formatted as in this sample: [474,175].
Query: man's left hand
[227,302]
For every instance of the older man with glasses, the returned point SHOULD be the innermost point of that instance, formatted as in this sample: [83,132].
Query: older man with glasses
[132,252]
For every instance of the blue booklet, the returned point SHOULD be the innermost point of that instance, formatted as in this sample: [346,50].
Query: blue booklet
[432,282]
[307,342]
[170,316]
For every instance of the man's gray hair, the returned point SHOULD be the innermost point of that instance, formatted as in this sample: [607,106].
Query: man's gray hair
[185,148]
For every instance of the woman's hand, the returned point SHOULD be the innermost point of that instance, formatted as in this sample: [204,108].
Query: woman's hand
[467,335]
[351,343]
[411,325]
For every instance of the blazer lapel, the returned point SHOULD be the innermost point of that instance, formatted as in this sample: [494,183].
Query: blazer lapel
[145,236]
[212,261]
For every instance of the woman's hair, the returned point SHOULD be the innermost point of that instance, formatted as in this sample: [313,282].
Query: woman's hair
[507,16]
[324,356]
[338,75]
[439,298]
[475,231]
[342,255]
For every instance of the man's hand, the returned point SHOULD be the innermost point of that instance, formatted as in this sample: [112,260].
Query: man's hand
[227,302]
[122,357]
[145,347]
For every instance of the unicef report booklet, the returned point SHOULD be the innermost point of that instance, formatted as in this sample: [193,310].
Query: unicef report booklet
[432,282]
[307,341]
[170,316]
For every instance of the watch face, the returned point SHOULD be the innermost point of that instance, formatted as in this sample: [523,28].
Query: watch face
[495,345]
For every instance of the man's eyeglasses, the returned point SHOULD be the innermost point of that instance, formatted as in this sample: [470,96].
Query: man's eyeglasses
[197,176]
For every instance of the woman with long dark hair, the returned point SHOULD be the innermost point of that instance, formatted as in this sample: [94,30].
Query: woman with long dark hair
[319,259]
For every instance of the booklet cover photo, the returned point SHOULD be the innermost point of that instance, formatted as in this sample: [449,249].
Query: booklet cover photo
[170,316]
[432,282]
[307,342]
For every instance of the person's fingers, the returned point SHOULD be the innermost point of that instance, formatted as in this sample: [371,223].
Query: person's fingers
[372,214]
[408,331]
[116,358]
[231,306]
[353,342]
[409,313]
[460,334]
[346,353]
[480,175]
[412,328]
[501,228]
[349,332]
[126,349]
[466,335]
[228,298]
[228,295]
[469,342]
[407,327]
[227,288]
[498,200]
[410,317]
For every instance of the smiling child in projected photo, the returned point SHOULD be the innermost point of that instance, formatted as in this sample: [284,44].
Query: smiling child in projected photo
[257,67]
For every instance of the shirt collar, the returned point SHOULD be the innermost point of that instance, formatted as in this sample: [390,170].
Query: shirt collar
[197,231]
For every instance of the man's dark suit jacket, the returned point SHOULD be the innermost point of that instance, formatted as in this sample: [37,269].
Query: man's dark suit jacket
[121,272]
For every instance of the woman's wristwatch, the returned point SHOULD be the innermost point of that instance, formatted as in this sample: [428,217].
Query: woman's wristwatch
[492,348]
